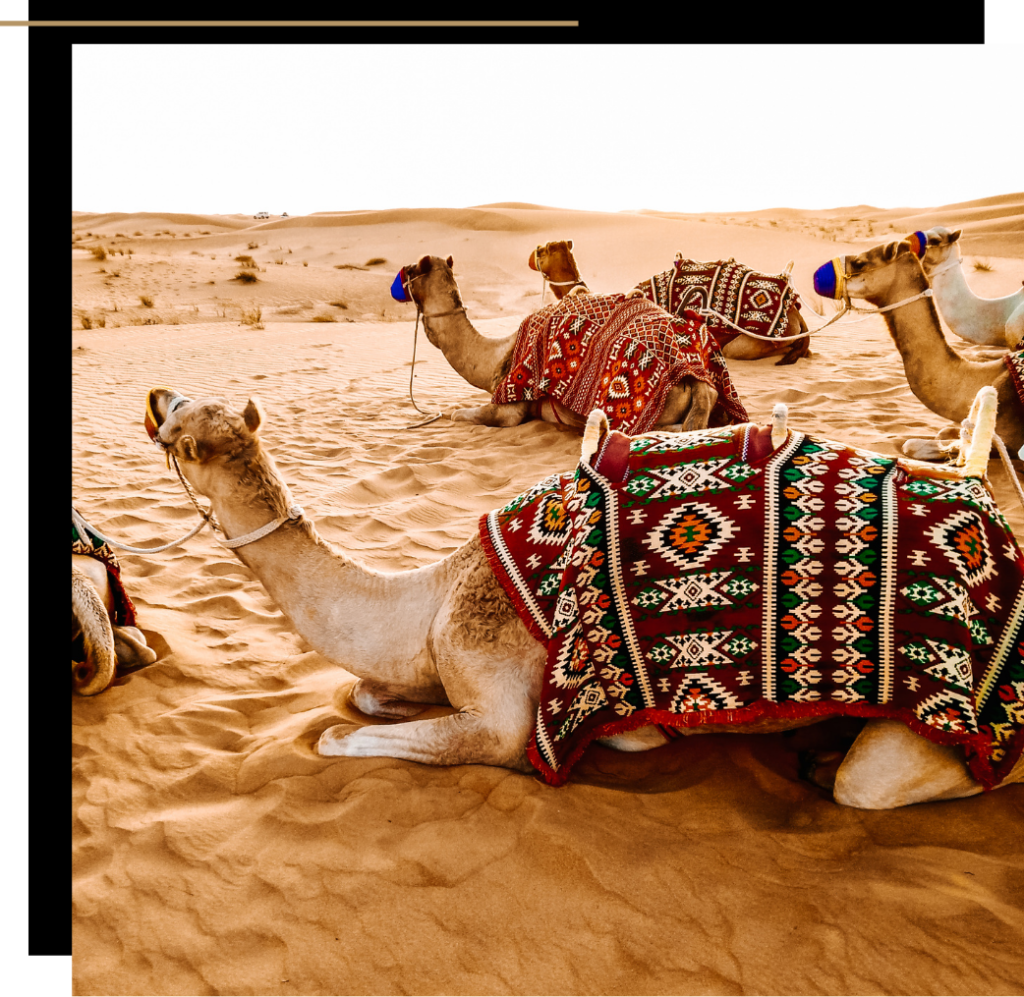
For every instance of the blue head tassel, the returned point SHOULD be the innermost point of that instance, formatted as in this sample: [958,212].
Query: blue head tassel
[398,287]
[825,282]
[918,243]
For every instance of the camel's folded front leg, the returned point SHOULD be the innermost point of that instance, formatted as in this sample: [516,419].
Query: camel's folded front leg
[510,414]
[459,739]
[377,699]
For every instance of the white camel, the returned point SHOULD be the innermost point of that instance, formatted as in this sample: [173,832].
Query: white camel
[986,321]
[448,633]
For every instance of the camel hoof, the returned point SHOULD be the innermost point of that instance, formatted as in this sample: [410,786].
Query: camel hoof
[330,740]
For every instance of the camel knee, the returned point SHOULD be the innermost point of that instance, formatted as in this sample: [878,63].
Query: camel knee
[376,699]
[890,766]
[703,398]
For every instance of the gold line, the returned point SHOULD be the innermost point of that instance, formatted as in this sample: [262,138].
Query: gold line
[290,24]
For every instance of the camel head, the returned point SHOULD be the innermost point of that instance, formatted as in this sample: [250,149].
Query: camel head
[869,275]
[555,260]
[430,283]
[203,433]
[940,247]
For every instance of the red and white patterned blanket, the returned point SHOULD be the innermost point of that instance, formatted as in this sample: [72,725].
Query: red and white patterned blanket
[623,357]
[1015,364]
[92,546]
[705,578]
[757,302]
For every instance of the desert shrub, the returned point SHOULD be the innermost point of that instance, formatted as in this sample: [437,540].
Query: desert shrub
[136,233]
[253,245]
[375,261]
[252,316]
[246,261]
[305,263]
[279,261]
[99,252]
[338,304]
[323,318]
[86,322]
[246,277]
[147,302]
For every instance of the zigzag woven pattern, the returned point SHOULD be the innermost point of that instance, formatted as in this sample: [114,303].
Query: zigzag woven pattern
[602,351]
[92,546]
[710,580]
[1015,363]
[756,302]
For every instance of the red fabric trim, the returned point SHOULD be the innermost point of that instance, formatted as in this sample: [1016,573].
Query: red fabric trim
[613,460]
[494,560]
[978,765]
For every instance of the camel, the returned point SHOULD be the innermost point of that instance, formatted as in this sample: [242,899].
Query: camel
[743,347]
[107,647]
[945,382]
[986,321]
[448,634]
[558,267]
[483,361]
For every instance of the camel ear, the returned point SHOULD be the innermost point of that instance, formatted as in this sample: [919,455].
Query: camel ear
[449,261]
[190,449]
[894,249]
[253,415]
[424,265]
[569,243]
[955,235]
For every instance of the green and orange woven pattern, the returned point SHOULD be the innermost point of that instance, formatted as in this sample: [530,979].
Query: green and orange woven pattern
[703,578]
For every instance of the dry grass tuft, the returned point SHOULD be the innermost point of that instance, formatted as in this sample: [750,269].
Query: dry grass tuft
[246,261]
[245,277]
[338,304]
[983,266]
[323,318]
[375,261]
[99,252]
[147,302]
[252,316]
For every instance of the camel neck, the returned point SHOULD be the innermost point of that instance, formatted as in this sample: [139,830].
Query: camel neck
[935,372]
[372,624]
[474,357]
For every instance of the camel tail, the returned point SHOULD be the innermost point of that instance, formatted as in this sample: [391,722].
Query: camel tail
[597,426]
[97,634]
[983,415]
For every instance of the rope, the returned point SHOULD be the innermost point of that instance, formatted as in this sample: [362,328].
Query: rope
[82,525]
[1001,447]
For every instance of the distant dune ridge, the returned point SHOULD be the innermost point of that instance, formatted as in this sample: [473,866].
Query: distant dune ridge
[215,852]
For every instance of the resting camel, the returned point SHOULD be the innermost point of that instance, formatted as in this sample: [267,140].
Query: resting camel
[557,265]
[483,361]
[107,647]
[449,634]
[945,382]
[986,321]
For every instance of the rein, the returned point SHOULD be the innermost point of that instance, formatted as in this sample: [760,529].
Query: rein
[415,334]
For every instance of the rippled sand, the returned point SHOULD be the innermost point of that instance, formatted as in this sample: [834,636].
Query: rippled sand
[216,853]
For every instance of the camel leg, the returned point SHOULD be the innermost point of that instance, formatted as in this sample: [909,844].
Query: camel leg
[800,347]
[688,406]
[377,699]
[890,766]
[945,445]
[641,739]
[507,415]
[463,738]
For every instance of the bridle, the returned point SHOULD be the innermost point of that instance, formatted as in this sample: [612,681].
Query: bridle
[831,283]
[295,511]
[545,280]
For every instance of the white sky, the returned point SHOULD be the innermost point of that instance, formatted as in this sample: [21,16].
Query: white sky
[223,129]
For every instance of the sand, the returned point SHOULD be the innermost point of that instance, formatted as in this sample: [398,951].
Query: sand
[216,853]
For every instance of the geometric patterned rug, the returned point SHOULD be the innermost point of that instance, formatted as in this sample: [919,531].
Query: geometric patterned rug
[703,578]
[756,302]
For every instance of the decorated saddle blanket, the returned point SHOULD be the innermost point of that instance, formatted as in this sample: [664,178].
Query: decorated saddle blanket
[756,302]
[623,357]
[1014,361]
[92,546]
[704,578]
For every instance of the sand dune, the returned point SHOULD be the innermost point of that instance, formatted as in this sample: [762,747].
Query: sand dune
[216,853]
